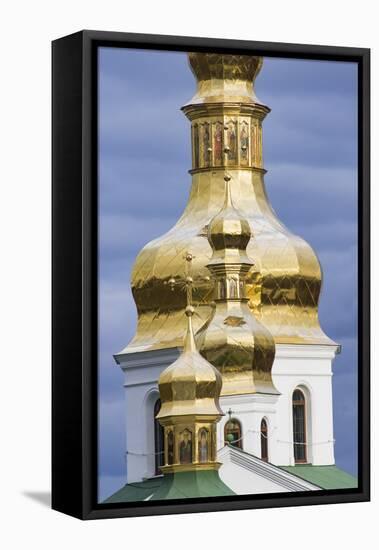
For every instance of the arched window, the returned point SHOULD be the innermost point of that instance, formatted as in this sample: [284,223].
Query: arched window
[264,443]
[233,433]
[299,427]
[158,439]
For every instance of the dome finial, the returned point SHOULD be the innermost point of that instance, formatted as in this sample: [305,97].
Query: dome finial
[228,194]
[189,341]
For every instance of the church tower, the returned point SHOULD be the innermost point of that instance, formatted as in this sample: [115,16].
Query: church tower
[190,389]
[236,343]
[284,414]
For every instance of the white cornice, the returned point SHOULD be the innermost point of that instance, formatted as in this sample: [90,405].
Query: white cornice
[315,351]
[147,358]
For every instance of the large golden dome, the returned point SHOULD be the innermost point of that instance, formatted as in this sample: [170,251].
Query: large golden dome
[283,286]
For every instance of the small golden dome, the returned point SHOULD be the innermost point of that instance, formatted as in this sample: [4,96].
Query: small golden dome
[229,229]
[240,347]
[191,385]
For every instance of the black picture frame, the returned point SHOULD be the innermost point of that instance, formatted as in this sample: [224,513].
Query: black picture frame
[74,272]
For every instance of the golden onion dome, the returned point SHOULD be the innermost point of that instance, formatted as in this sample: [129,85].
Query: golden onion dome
[284,285]
[229,230]
[191,385]
[240,347]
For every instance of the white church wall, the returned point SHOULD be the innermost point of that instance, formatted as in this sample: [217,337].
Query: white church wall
[296,366]
[243,482]
[142,371]
[249,410]
[140,431]
[308,368]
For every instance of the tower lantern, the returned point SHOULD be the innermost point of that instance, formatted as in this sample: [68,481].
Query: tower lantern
[225,113]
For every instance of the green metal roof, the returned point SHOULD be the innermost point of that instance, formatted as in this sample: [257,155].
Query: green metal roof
[135,492]
[326,477]
[180,485]
[208,484]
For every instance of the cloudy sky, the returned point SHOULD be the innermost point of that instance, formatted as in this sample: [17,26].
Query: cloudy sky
[144,153]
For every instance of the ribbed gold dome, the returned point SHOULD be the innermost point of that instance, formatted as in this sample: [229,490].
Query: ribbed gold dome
[229,230]
[191,385]
[284,285]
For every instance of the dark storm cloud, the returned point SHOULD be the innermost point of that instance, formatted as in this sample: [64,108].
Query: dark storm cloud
[144,152]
